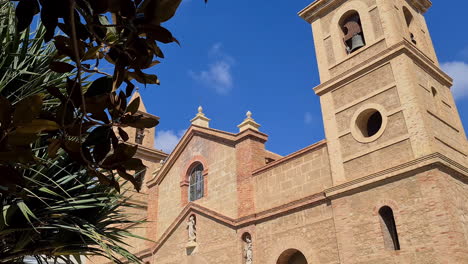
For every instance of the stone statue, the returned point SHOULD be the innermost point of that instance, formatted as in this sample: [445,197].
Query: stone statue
[192,231]
[248,252]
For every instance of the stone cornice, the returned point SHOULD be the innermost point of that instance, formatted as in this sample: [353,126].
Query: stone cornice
[403,47]
[320,144]
[319,7]
[435,160]
[194,130]
[149,153]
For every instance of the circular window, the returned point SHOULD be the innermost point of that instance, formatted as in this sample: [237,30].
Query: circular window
[368,124]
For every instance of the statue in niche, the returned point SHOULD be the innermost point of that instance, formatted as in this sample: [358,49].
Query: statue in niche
[192,231]
[248,251]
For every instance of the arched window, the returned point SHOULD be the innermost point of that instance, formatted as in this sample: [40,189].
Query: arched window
[292,256]
[389,230]
[353,35]
[196,183]
[434,92]
[409,23]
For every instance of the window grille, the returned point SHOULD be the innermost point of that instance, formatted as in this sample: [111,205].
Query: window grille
[196,183]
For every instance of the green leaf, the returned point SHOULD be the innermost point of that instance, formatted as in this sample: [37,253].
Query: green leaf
[122,153]
[5,113]
[48,191]
[100,86]
[133,106]
[61,67]
[22,139]
[165,10]
[37,126]
[143,122]
[122,173]
[123,134]
[92,53]
[143,78]
[26,211]
[134,164]
[27,109]
[17,155]
[53,147]
[25,12]
[5,213]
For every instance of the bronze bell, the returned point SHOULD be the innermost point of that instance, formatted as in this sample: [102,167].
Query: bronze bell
[355,43]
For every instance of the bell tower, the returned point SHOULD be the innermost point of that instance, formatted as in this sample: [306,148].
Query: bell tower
[385,101]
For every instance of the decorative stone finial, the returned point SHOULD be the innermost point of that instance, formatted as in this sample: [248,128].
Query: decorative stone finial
[249,123]
[200,119]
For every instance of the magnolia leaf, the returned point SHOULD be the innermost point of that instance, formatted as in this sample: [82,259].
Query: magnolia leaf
[5,113]
[22,139]
[134,164]
[158,33]
[25,12]
[133,106]
[101,150]
[74,91]
[54,91]
[143,78]
[61,67]
[10,176]
[97,136]
[159,11]
[123,134]
[37,126]
[27,109]
[53,147]
[129,89]
[92,53]
[18,155]
[100,86]
[122,153]
[143,122]
[122,173]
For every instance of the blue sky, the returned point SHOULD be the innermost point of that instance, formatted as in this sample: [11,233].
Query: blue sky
[259,56]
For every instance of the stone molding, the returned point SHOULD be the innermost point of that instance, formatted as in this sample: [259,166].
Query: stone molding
[319,7]
[315,146]
[403,47]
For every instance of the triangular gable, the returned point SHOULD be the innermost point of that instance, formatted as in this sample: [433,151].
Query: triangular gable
[211,134]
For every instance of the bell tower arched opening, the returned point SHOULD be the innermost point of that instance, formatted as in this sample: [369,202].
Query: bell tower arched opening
[353,34]
[292,256]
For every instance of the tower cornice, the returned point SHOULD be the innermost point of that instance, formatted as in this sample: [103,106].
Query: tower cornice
[314,10]
[402,47]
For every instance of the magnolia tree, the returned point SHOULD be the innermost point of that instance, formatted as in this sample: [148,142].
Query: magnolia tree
[62,142]
[127,34]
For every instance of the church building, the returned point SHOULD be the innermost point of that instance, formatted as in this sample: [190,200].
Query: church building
[388,184]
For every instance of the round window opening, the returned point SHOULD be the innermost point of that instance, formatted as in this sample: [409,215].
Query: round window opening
[369,123]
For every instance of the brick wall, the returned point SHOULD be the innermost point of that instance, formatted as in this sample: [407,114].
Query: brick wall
[299,177]
[425,227]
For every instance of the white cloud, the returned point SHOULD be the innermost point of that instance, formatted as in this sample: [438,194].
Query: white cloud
[166,140]
[308,118]
[459,72]
[218,76]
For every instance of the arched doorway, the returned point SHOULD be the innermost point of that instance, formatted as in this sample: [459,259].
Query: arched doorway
[292,256]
